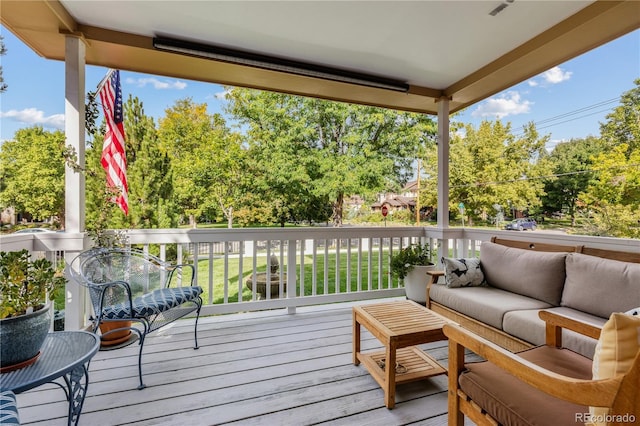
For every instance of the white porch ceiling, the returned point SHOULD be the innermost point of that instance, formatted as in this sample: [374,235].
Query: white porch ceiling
[439,48]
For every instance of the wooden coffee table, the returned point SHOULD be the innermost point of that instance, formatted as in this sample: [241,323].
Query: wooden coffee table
[399,326]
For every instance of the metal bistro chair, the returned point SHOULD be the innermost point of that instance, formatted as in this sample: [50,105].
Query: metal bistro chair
[131,285]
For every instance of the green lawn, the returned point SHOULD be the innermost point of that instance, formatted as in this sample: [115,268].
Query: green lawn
[331,268]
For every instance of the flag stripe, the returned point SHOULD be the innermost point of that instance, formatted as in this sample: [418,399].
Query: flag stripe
[114,160]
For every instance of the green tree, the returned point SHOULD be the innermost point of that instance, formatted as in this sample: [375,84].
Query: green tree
[613,194]
[32,173]
[623,123]
[207,160]
[312,151]
[612,198]
[149,172]
[490,166]
[149,178]
[572,166]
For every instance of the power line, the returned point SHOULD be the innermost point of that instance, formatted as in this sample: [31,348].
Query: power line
[553,121]
[578,111]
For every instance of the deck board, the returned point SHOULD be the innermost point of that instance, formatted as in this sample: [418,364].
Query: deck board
[265,368]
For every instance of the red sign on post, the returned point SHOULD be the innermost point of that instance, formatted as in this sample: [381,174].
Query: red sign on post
[384,210]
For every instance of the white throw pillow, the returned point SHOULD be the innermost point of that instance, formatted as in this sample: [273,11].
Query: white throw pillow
[634,311]
[464,272]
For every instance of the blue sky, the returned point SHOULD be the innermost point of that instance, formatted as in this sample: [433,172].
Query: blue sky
[568,101]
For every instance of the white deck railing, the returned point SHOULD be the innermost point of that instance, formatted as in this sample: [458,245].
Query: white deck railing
[323,265]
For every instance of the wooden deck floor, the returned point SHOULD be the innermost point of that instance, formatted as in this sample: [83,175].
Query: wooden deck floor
[267,368]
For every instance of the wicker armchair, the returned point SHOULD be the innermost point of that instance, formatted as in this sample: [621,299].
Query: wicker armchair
[131,285]
[541,386]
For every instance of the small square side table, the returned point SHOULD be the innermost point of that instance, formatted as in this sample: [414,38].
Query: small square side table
[399,326]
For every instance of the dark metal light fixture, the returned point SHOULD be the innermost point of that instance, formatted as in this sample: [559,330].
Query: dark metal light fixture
[276,64]
[500,7]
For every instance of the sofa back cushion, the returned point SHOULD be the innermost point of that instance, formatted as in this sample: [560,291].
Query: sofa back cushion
[600,286]
[540,275]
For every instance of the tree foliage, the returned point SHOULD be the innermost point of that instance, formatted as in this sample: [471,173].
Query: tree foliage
[32,173]
[310,152]
[613,195]
[207,160]
[573,169]
[612,198]
[623,123]
[149,177]
[490,166]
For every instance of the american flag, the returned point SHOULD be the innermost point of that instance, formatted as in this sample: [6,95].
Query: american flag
[114,160]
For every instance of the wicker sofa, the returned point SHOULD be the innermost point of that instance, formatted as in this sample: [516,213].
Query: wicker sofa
[582,283]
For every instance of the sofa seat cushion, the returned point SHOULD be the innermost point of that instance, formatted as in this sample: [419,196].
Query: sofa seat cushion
[528,326]
[513,402]
[540,275]
[486,304]
[614,285]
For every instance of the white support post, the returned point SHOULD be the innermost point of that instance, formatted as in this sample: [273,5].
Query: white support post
[443,170]
[75,300]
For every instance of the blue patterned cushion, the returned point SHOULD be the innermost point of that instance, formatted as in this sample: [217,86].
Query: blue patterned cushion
[8,409]
[153,303]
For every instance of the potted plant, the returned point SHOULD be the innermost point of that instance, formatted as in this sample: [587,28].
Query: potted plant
[26,286]
[411,265]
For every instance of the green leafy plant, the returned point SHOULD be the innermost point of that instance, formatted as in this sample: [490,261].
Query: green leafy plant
[404,260]
[25,284]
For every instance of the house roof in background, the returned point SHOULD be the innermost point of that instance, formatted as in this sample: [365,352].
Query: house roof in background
[455,49]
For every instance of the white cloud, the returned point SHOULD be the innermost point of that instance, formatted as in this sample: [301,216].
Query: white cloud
[550,145]
[157,84]
[221,95]
[556,75]
[532,83]
[32,116]
[507,104]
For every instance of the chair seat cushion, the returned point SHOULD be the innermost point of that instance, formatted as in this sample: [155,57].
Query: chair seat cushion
[514,403]
[8,408]
[153,303]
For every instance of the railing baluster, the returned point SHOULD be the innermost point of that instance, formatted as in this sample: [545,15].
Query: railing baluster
[314,278]
[253,273]
[370,264]
[348,278]
[303,245]
[337,265]
[359,278]
[326,267]
[240,269]
[226,272]
[210,280]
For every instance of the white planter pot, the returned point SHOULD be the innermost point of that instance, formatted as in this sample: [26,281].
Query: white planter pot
[415,283]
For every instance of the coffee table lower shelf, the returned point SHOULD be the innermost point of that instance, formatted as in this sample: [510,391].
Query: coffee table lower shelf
[418,364]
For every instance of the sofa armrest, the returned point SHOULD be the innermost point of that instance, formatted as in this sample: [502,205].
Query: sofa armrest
[433,278]
[554,323]
[578,391]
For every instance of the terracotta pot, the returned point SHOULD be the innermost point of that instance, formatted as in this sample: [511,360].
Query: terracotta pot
[116,337]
